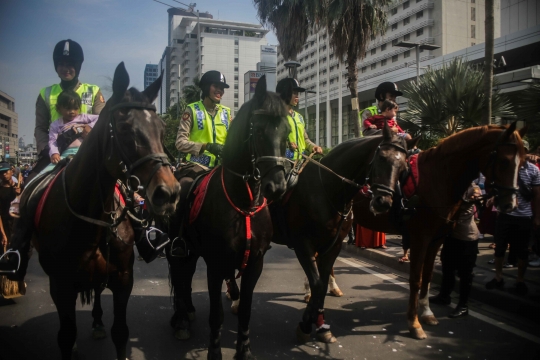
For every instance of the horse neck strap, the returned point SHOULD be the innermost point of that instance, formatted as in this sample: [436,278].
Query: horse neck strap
[247,215]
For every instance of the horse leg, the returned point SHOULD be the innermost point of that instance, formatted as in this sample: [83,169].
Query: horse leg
[325,265]
[120,330]
[333,286]
[98,329]
[181,271]
[417,257]
[426,315]
[249,280]
[215,281]
[64,298]
[307,290]
[233,293]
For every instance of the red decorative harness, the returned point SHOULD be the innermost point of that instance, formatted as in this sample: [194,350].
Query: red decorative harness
[409,188]
[118,193]
[248,215]
[43,199]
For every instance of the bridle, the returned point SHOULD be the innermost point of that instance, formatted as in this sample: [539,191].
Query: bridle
[127,167]
[493,186]
[256,159]
[381,188]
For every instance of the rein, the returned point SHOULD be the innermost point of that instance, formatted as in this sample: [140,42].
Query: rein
[248,214]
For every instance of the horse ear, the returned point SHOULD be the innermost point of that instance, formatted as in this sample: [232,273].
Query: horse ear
[412,143]
[510,130]
[523,131]
[152,91]
[260,90]
[387,132]
[120,81]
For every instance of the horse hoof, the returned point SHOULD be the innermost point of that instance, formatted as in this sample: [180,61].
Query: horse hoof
[418,333]
[307,298]
[301,336]
[214,355]
[99,333]
[336,292]
[234,309]
[182,334]
[75,352]
[228,295]
[326,337]
[191,316]
[429,320]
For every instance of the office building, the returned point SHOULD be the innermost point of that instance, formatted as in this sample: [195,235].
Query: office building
[267,66]
[9,127]
[198,43]
[150,74]
[450,25]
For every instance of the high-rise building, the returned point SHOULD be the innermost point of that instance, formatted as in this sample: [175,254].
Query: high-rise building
[9,126]
[150,74]
[450,25]
[267,66]
[519,15]
[198,43]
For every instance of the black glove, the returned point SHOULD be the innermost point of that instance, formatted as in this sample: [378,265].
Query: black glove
[214,148]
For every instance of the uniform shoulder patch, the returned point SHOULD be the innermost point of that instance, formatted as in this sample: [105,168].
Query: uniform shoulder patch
[186,116]
[101,98]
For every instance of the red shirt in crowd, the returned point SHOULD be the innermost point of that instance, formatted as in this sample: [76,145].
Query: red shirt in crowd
[378,121]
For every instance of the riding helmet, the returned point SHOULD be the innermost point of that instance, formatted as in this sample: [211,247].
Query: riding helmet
[213,77]
[387,87]
[286,86]
[70,51]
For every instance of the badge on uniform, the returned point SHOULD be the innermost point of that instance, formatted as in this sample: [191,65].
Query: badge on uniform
[225,119]
[185,117]
[86,98]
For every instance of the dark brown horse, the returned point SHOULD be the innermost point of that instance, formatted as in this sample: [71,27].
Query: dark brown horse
[125,144]
[235,209]
[445,172]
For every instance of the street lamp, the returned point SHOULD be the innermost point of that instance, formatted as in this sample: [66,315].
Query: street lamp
[418,46]
[291,67]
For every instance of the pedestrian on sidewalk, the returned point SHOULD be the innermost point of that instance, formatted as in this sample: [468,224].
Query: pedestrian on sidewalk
[369,239]
[459,253]
[516,226]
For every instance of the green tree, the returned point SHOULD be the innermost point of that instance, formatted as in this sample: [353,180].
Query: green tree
[350,25]
[192,93]
[171,125]
[448,99]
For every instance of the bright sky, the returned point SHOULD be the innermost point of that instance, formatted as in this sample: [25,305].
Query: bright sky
[109,31]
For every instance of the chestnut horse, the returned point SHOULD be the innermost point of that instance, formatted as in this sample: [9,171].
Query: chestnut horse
[445,172]
[125,144]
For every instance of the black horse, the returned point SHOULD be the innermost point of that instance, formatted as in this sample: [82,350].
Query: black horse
[316,216]
[252,172]
[125,144]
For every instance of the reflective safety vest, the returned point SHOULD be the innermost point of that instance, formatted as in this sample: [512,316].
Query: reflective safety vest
[205,129]
[296,136]
[87,93]
[374,110]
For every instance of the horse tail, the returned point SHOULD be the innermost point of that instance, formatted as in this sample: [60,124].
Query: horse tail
[87,297]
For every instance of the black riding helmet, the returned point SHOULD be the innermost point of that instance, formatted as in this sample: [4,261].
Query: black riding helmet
[386,87]
[69,51]
[286,87]
[209,78]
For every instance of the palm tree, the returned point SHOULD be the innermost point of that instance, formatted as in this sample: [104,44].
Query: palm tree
[449,99]
[171,125]
[488,65]
[192,93]
[349,23]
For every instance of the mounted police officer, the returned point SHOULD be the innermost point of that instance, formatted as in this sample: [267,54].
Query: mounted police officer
[67,57]
[385,91]
[299,141]
[205,123]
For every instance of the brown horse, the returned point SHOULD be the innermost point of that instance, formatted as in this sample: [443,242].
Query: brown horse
[125,144]
[445,172]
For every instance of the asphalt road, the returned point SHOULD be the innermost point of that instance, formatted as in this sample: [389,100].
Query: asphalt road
[369,321]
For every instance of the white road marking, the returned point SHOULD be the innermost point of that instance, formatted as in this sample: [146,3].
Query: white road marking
[501,325]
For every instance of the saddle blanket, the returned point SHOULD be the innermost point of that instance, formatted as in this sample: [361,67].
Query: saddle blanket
[200,194]
[409,188]
[44,197]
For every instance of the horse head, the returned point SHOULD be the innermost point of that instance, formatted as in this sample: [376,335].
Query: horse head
[137,154]
[502,167]
[389,161]
[260,150]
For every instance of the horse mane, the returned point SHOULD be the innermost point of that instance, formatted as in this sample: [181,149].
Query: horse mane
[449,145]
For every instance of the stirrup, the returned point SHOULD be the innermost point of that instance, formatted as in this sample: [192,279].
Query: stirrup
[180,250]
[18,264]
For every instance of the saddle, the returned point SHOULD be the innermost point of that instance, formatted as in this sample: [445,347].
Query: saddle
[34,191]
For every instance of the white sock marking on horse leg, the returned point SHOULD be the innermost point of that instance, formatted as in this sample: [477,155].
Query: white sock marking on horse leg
[332,283]
[424,305]
[307,289]
[235,303]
